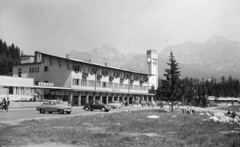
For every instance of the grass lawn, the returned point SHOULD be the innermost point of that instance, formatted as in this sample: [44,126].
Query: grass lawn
[122,129]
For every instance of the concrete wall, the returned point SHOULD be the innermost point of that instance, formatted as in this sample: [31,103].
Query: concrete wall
[58,71]
[15,105]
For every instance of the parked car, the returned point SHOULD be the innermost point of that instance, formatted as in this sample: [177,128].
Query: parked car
[54,106]
[96,105]
[115,104]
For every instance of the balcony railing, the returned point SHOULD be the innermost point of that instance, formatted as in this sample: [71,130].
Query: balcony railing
[98,83]
[130,87]
[120,86]
[135,87]
[83,82]
[115,85]
[111,85]
[91,83]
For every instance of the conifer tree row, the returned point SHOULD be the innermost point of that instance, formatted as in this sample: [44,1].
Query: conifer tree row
[193,91]
[197,90]
[9,56]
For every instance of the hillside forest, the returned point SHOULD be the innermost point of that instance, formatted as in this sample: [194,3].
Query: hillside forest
[191,90]
[9,56]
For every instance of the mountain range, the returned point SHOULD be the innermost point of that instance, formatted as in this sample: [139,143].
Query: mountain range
[215,57]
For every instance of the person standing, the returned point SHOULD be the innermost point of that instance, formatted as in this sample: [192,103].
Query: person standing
[229,113]
[3,104]
[233,114]
[171,105]
[7,104]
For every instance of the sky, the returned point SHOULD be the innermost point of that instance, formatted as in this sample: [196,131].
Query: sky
[59,26]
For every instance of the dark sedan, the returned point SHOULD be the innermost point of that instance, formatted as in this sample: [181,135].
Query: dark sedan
[96,105]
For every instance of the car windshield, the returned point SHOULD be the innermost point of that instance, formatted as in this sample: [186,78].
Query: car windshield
[95,102]
[46,103]
[98,102]
[59,102]
[53,102]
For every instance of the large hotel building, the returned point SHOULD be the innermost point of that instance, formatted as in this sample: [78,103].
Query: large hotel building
[55,77]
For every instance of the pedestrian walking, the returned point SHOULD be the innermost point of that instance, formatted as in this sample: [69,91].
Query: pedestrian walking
[7,104]
[192,110]
[1,105]
[152,104]
[4,104]
[171,107]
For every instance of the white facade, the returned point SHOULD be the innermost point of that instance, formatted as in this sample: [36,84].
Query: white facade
[152,61]
[16,88]
[61,72]
[85,80]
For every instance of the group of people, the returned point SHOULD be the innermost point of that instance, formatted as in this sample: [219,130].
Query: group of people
[233,116]
[189,110]
[147,103]
[5,103]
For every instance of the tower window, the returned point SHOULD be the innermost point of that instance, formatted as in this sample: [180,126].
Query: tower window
[45,68]
[19,72]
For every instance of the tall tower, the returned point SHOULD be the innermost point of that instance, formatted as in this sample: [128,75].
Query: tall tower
[152,61]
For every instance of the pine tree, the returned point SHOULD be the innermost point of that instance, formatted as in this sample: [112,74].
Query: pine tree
[172,77]
[9,56]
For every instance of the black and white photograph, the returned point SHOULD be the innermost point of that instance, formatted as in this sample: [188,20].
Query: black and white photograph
[119,73]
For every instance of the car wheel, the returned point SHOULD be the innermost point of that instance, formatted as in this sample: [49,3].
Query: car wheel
[86,108]
[69,112]
[42,111]
[61,111]
[103,109]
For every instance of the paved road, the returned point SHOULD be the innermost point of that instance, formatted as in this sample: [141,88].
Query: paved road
[16,115]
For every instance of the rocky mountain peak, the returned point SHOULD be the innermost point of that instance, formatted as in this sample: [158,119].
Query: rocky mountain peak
[216,57]
[218,39]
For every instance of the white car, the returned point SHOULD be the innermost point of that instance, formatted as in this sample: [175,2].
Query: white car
[115,104]
[54,106]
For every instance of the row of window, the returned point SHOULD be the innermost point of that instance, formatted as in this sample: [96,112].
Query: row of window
[15,90]
[32,70]
[91,83]
[36,69]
